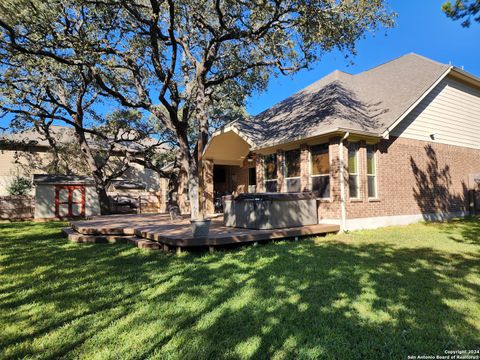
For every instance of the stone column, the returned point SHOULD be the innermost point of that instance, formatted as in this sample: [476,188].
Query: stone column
[280,170]
[334,155]
[208,180]
[304,168]
[260,170]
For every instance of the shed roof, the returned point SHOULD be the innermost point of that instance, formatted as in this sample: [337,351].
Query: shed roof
[44,179]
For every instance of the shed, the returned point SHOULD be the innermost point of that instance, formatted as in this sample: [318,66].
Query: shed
[64,196]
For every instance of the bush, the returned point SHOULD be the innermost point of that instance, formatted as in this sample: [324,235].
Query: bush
[20,186]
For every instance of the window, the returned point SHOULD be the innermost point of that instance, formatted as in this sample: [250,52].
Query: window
[320,163]
[353,184]
[252,180]
[271,173]
[292,170]
[371,172]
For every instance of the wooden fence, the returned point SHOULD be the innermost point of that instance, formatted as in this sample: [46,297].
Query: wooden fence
[137,203]
[16,207]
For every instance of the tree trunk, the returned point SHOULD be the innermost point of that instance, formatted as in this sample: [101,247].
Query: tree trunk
[173,206]
[194,191]
[202,118]
[103,198]
[188,163]
[97,175]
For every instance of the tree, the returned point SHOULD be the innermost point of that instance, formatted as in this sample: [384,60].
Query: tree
[39,91]
[176,59]
[19,186]
[195,50]
[463,9]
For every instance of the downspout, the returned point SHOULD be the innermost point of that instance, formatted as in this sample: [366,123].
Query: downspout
[343,201]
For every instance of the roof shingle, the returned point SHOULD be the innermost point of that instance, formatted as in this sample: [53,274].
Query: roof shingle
[368,102]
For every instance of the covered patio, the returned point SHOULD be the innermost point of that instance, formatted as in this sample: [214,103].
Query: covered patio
[229,167]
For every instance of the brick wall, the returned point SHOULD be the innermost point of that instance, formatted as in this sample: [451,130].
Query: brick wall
[304,168]
[330,208]
[239,178]
[280,170]
[260,171]
[415,177]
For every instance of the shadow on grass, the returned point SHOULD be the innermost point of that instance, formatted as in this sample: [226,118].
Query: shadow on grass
[462,230]
[282,300]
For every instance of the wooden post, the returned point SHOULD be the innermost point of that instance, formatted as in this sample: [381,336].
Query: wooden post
[165,248]
[211,249]
[179,250]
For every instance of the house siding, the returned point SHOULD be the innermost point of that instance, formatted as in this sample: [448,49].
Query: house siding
[451,111]
[23,163]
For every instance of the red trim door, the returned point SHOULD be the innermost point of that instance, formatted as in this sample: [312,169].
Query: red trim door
[69,201]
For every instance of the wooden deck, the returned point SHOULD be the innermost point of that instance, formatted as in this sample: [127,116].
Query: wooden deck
[160,229]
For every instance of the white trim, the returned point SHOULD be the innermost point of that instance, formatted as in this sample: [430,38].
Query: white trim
[271,180]
[356,174]
[225,129]
[386,133]
[375,175]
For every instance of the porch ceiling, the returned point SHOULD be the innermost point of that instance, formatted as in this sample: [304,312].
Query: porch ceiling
[227,148]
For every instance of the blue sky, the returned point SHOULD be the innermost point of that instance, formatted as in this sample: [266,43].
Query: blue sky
[421,27]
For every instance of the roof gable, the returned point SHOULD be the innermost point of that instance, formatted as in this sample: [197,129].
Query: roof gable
[369,102]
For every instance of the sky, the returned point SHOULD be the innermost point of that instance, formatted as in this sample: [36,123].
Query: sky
[421,27]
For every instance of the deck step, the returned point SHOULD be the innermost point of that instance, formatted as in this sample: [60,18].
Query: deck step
[98,231]
[144,244]
[76,237]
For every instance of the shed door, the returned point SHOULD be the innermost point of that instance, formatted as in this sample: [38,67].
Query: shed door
[69,201]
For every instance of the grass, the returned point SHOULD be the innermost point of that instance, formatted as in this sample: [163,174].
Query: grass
[377,294]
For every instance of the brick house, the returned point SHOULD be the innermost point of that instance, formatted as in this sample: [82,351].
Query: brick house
[391,145]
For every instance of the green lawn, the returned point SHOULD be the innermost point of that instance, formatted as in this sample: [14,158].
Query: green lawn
[377,294]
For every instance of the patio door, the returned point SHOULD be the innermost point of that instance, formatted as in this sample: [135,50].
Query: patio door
[69,201]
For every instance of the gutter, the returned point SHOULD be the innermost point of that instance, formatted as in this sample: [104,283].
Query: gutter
[343,200]
[335,131]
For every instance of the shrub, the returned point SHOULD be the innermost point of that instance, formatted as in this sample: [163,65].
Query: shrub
[20,186]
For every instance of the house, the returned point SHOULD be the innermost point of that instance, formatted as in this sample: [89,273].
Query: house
[29,153]
[391,145]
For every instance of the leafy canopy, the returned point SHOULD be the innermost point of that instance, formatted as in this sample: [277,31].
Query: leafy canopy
[463,9]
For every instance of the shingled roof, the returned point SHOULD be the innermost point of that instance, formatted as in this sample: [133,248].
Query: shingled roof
[368,102]
[65,135]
